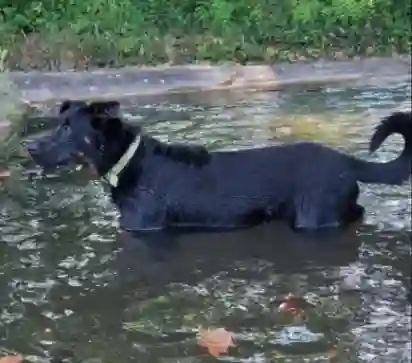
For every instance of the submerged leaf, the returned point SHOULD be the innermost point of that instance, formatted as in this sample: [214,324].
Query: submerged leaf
[216,341]
[12,359]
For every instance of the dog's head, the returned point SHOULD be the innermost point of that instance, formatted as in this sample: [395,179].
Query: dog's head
[87,133]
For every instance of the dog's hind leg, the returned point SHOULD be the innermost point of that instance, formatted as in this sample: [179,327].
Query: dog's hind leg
[311,215]
[352,211]
[315,211]
[325,209]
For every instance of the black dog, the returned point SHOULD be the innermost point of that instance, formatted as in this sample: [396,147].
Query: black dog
[159,186]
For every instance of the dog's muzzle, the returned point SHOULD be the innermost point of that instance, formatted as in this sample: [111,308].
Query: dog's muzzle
[83,163]
[39,152]
[52,150]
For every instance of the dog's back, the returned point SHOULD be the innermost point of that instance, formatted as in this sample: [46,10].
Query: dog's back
[309,184]
[234,187]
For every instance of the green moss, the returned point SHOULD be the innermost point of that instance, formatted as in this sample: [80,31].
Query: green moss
[64,34]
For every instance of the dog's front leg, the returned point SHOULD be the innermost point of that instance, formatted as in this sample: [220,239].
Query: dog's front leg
[143,213]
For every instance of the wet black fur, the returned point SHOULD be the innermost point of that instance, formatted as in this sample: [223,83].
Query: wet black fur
[185,186]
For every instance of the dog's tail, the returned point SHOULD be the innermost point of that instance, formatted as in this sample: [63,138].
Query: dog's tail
[394,172]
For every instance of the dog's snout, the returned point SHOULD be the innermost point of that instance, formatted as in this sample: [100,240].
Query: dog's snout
[33,148]
[52,150]
[38,148]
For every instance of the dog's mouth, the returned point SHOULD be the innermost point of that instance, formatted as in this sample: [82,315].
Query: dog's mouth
[77,161]
[84,164]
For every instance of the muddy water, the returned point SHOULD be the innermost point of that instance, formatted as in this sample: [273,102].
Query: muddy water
[72,289]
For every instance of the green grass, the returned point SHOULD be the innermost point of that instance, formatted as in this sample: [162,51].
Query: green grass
[52,34]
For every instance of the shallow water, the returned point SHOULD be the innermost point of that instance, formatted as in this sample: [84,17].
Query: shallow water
[72,289]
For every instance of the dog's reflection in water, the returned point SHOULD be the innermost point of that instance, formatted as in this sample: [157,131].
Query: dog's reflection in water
[162,258]
[144,267]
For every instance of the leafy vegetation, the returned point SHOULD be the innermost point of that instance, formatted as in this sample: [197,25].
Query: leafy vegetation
[75,33]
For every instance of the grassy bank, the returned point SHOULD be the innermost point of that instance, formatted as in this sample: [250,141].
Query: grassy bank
[51,34]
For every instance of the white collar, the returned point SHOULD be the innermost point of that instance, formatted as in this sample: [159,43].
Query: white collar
[112,176]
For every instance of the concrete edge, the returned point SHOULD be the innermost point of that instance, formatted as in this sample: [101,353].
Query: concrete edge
[404,59]
[308,84]
[142,82]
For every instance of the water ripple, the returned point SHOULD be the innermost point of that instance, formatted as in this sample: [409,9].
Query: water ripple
[66,294]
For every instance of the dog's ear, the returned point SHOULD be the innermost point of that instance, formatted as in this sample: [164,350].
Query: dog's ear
[65,106]
[106,108]
[106,117]
[69,104]
[109,126]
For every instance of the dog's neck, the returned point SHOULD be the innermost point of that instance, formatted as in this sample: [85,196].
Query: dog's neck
[112,176]
[143,145]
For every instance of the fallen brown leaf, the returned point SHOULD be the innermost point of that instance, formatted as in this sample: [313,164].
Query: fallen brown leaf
[333,355]
[12,359]
[216,341]
[4,174]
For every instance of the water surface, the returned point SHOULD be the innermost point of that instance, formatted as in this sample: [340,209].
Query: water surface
[74,289]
